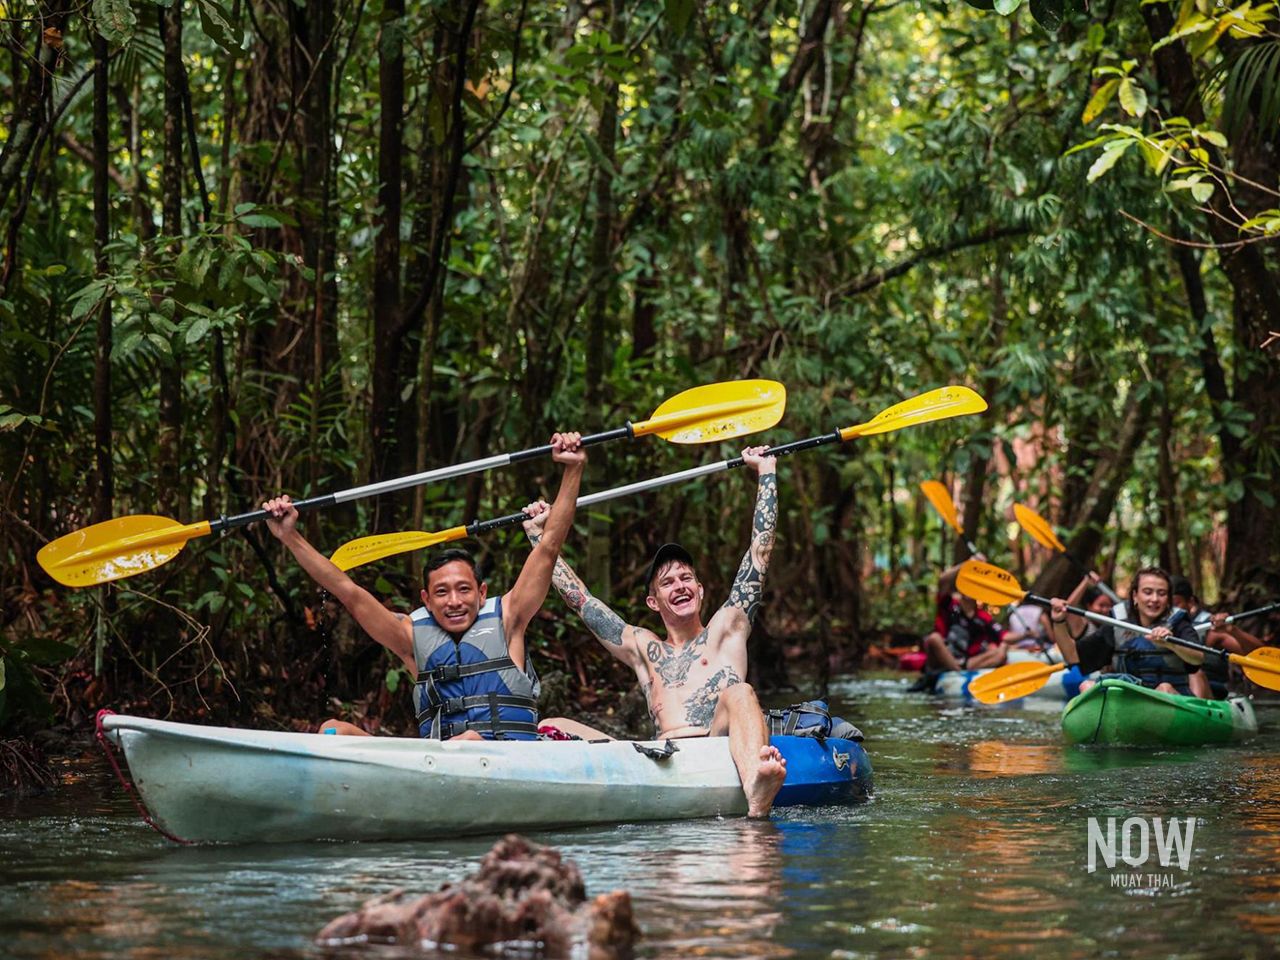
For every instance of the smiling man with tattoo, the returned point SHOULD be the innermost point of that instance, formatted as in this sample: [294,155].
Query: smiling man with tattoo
[694,678]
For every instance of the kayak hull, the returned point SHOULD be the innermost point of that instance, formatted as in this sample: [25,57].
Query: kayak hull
[1059,688]
[228,785]
[1117,712]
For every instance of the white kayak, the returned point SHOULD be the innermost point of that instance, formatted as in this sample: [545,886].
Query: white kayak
[231,785]
[1059,688]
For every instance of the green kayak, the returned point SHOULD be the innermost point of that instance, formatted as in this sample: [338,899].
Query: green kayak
[1119,712]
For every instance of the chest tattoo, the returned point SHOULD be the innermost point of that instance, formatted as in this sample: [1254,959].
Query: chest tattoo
[673,666]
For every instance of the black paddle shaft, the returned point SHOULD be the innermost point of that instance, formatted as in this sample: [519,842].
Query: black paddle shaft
[1112,621]
[244,519]
[588,441]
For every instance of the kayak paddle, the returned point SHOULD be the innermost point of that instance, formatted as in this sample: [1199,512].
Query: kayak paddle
[125,546]
[990,584]
[1041,532]
[1203,628]
[940,404]
[937,495]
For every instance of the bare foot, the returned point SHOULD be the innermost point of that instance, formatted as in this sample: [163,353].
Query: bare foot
[766,783]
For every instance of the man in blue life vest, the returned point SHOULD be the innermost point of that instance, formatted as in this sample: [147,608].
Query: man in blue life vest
[468,653]
[693,676]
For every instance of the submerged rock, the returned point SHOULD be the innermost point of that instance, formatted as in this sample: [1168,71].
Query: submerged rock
[525,898]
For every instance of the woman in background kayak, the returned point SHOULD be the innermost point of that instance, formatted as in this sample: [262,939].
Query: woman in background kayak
[1140,659]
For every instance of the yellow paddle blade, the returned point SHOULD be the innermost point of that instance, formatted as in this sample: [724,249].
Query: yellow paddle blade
[1012,681]
[354,553]
[940,404]
[943,503]
[987,583]
[1038,527]
[717,411]
[116,548]
[1262,666]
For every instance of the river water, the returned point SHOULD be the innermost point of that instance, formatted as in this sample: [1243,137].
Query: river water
[976,844]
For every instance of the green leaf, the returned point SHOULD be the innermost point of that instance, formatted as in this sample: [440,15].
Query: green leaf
[126,346]
[1047,13]
[215,21]
[1201,192]
[1007,7]
[1098,102]
[1110,155]
[199,327]
[1133,99]
[679,13]
[43,650]
[114,19]
[262,220]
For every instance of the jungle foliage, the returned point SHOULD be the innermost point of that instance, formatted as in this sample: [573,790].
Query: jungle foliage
[258,246]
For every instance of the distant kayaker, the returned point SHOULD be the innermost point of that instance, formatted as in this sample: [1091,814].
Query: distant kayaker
[1087,594]
[693,678]
[965,636]
[1144,659]
[468,654]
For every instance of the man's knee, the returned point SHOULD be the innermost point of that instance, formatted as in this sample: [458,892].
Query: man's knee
[741,696]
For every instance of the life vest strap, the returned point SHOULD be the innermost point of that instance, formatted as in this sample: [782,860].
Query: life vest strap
[453,705]
[448,730]
[456,671]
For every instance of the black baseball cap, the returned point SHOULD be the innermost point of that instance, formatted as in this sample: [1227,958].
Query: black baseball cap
[666,553]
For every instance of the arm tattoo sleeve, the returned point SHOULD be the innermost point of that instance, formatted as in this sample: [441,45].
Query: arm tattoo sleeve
[600,620]
[748,585]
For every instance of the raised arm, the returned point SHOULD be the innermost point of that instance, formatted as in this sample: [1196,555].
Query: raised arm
[614,633]
[393,630]
[748,584]
[524,599]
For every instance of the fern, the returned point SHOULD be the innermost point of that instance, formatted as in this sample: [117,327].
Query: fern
[1251,90]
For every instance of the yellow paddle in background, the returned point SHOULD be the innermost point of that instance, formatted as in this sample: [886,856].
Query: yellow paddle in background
[940,404]
[1042,533]
[938,495]
[990,584]
[126,546]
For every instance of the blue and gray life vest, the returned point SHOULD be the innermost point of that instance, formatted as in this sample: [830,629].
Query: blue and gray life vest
[471,682]
[1215,669]
[1150,662]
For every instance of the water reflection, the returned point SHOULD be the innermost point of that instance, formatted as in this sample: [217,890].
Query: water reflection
[997,758]
[1260,781]
[712,889]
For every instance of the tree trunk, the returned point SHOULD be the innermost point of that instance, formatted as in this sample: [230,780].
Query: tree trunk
[1091,515]
[1253,521]
[598,567]
[169,442]
[388,325]
[104,476]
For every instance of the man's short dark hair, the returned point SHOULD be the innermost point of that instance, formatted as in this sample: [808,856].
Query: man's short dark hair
[1181,587]
[450,555]
[667,554]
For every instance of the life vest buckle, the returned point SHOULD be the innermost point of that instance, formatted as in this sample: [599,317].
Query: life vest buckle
[446,672]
